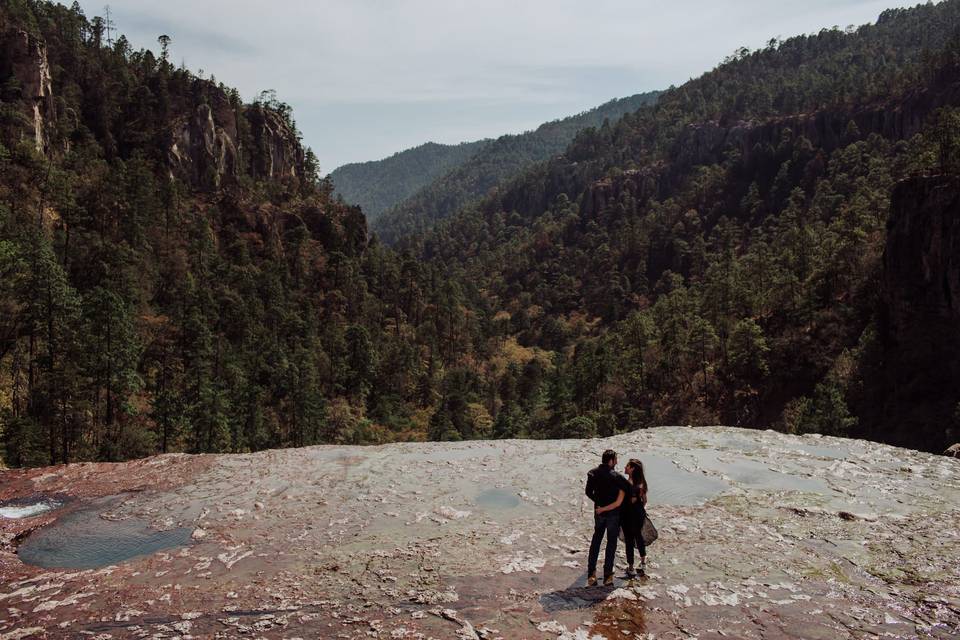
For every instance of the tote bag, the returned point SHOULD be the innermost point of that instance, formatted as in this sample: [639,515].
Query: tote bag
[648,532]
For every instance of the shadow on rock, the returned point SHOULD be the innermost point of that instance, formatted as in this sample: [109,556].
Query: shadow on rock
[576,596]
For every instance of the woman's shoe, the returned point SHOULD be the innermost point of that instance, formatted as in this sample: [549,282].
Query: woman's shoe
[591,580]
[631,572]
[608,580]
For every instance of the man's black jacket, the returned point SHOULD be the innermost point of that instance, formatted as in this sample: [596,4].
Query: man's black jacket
[603,485]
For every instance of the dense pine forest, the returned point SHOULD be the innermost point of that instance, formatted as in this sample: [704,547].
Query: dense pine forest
[773,244]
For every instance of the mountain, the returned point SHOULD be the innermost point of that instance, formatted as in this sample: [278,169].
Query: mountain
[175,276]
[321,542]
[719,257]
[378,185]
[492,163]
[771,244]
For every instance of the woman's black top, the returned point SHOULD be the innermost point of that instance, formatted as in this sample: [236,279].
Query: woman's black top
[632,514]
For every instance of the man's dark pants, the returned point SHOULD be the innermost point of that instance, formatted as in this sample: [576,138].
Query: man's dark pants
[606,523]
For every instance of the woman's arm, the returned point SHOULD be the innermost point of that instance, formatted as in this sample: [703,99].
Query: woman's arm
[613,505]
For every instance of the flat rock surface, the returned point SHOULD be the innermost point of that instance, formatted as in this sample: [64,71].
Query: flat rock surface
[763,535]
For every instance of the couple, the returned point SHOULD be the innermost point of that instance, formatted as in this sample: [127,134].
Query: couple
[619,502]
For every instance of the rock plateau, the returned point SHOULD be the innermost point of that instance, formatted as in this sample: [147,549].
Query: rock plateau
[763,535]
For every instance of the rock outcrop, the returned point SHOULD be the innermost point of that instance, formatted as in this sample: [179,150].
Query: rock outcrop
[208,150]
[213,139]
[204,150]
[277,152]
[920,313]
[23,61]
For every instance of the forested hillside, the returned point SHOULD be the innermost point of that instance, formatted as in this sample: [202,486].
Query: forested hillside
[719,257]
[771,244]
[175,276]
[378,185]
[493,163]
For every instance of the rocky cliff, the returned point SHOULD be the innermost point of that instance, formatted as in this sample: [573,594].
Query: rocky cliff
[213,139]
[276,152]
[206,145]
[920,314]
[25,69]
[208,148]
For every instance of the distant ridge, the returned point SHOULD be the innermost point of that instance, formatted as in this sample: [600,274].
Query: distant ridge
[377,185]
[410,190]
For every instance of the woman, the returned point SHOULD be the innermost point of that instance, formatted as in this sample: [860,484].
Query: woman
[634,512]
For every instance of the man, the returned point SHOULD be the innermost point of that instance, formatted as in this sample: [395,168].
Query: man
[607,489]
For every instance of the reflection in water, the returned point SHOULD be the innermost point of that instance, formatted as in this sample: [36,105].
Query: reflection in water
[84,540]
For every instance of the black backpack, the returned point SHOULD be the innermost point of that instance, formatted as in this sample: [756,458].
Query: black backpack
[591,489]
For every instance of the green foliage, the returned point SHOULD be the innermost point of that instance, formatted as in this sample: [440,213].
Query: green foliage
[826,412]
[946,134]
[747,351]
[579,427]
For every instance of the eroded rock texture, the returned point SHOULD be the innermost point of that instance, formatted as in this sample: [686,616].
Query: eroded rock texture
[762,536]
[215,143]
[23,62]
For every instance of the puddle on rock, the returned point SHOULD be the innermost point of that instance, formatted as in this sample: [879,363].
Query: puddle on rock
[28,507]
[498,499]
[672,485]
[84,540]
[759,475]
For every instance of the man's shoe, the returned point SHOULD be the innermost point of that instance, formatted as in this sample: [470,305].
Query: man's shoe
[591,580]
[608,580]
[631,572]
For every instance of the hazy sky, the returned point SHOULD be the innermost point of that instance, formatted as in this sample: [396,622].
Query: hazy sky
[367,78]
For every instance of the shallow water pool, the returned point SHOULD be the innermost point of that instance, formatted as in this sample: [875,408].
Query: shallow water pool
[498,499]
[84,540]
[672,485]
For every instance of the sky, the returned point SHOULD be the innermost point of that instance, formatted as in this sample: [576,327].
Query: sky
[368,78]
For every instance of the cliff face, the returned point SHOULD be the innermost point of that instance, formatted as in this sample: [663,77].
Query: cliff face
[920,313]
[207,149]
[204,150]
[24,62]
[212,142]
[276,152]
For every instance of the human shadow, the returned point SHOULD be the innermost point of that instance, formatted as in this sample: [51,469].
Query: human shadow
[580,596]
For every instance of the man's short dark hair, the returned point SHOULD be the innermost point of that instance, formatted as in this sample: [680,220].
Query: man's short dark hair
[609,455]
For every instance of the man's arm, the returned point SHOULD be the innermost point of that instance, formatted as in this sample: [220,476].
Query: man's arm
[613,505]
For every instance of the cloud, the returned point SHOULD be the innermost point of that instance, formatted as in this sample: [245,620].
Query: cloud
[370,77]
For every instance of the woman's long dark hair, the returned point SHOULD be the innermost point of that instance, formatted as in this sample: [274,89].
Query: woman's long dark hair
[636,475]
